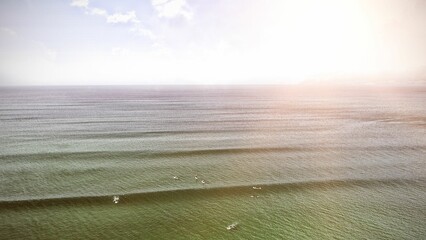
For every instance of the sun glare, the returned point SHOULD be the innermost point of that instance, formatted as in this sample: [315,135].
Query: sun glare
[318,37]
[248,42]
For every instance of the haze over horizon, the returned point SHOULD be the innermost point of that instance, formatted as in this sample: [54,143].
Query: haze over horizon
[93,42]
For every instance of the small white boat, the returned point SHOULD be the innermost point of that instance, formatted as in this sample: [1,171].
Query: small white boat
[257,188]
[232,226]
[196,177]
[176,178]
[203,182]
[115,199]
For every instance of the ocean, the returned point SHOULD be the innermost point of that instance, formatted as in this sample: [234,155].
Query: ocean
[185,162]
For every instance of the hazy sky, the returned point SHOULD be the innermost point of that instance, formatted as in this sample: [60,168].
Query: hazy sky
[211,41]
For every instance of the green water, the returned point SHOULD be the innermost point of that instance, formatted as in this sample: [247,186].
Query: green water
[344,211]
[328,166]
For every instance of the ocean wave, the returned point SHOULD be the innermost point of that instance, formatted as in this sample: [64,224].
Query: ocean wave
[232,190]
[200,152]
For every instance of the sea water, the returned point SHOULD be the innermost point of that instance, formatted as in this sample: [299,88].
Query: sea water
[185,162]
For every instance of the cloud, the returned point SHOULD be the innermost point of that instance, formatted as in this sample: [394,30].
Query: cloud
[80,3]
[98,12]
[119,51]
[7,32]
[128,17]
[144,32]
[172,8]
[51,54]
[44,51]
[123,18]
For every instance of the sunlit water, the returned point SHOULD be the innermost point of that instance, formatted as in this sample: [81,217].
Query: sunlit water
[326,163]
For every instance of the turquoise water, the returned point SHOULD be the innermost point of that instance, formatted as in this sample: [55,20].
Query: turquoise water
[330,163]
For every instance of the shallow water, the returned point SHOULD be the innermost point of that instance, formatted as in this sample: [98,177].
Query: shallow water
[331,163]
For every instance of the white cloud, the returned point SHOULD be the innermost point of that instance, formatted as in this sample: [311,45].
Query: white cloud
[144,32]
[172,8]
[44,51]
[7,31]
[80,3]
[98,12]
[119,51]
[128,17]
[51,54]
[123,17]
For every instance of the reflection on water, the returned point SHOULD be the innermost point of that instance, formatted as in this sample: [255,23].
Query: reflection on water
[186,162]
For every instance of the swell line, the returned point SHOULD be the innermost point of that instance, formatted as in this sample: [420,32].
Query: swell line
[235,190]
[196,152]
